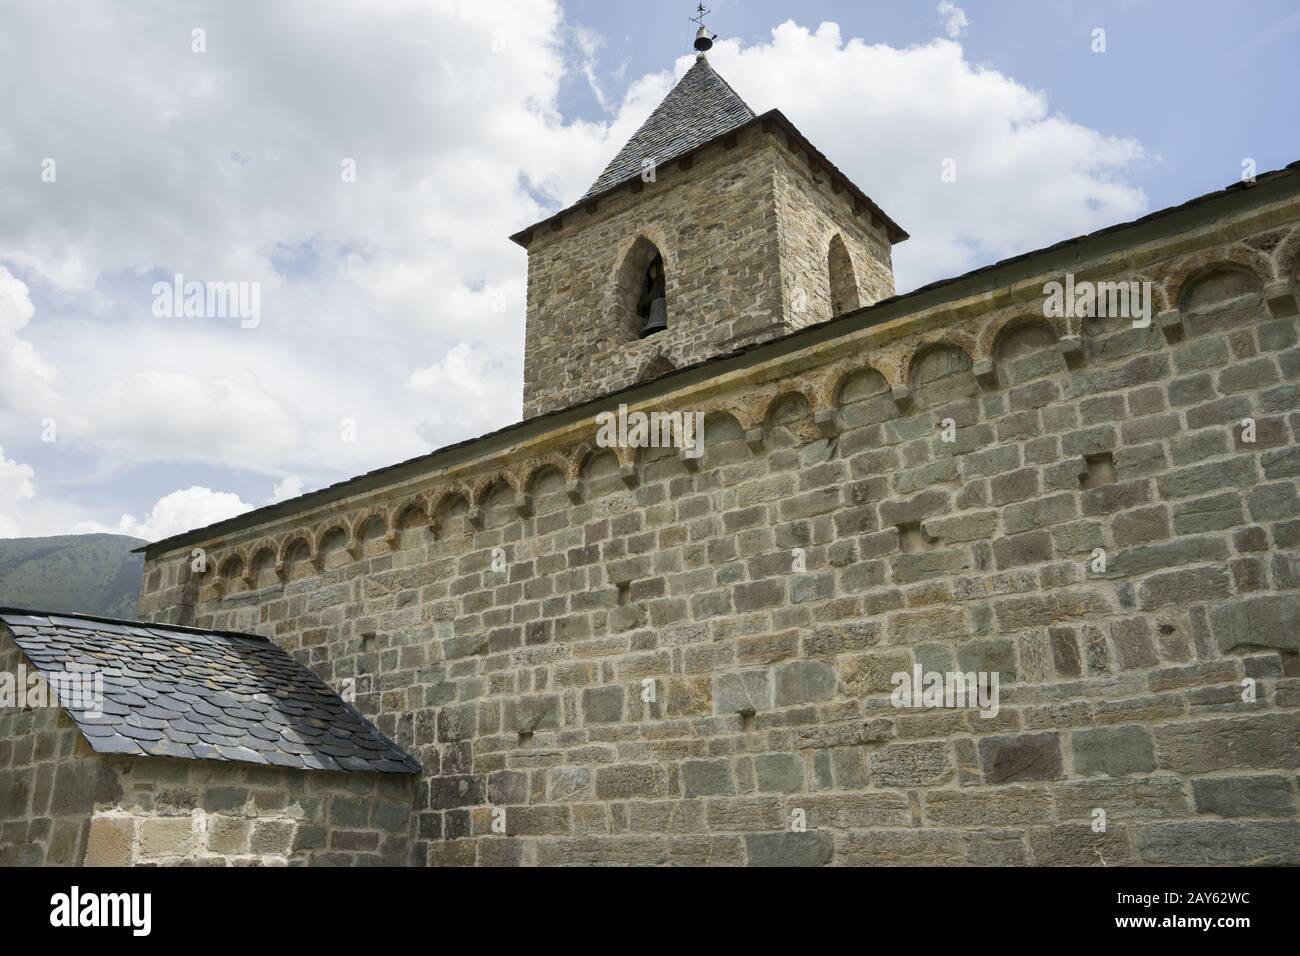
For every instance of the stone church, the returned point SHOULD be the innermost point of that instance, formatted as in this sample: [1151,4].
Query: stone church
[532,649]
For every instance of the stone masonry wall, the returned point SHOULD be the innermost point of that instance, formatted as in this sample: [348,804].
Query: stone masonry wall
[810,214]
[196,812]
[722,235]
[607,657]
[47,785]
[62,804]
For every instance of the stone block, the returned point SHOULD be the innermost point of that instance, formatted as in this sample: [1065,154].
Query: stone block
[745,813]
[506,787]
[538,821]
[1170,324]
[531,713]
[905,847]
[75,786]
[1112,751]
[446,793]
[1281,298]
[1183,587]
[938,623]
[271,837]
[630,780]
[1207,478]
[603,705]
[1003,807]
[602,850]
[1259,741]
[912,764]
[1214,842]
[707,778]
[1047,609]
[871,673]
[110,841]
[1267,795]
[810,848]
[1032,547]
[779,773]
[1009,759]
[1125,798]
[801,682]
[228,835]
[989,656]
[1077,845]
[1071,348]
[569,784]
[852,811]
[1269,620]
[1039,513]
[167,837]
[746,691]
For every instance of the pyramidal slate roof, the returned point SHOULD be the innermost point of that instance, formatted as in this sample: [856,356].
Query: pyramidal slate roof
[699,108]
[203,695]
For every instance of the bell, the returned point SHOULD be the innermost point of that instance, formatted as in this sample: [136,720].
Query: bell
[703,39]
[657,320]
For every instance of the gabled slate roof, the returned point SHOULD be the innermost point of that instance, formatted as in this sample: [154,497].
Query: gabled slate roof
[204,695]
[701,107]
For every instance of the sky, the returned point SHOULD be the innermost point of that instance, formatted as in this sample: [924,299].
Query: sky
[353,170]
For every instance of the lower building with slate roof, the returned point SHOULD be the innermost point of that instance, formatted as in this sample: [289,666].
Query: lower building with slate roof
[264,762]
[542,648]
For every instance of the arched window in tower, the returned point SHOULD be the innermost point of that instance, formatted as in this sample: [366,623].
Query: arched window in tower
[652,305]
[844,285]
[638,307]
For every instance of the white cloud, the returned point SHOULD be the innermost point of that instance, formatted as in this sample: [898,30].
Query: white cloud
[955,19]
[25,379]
[380,298]
[24,511]
[16,489]
[290,487]
[589,45]
[176,513]
[484,386]
[232,172]
[889,118]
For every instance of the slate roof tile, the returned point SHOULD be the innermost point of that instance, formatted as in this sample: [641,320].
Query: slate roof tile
[115,744]
[202,695]
[701,107]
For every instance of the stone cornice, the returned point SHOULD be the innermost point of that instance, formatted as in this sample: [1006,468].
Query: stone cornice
[967,312]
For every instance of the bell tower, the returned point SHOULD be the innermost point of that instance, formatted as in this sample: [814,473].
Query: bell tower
[713,228]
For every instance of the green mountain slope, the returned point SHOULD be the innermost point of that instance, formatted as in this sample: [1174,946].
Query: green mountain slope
[86,573]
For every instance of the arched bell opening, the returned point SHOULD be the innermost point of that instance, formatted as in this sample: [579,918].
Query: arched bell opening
[844,284]
[652,305]
[640,303]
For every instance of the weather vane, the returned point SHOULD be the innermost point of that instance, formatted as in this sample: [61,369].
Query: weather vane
[703,38]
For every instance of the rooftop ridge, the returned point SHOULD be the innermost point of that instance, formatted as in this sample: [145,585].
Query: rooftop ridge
[700,107]
[882,311]
[6,612]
